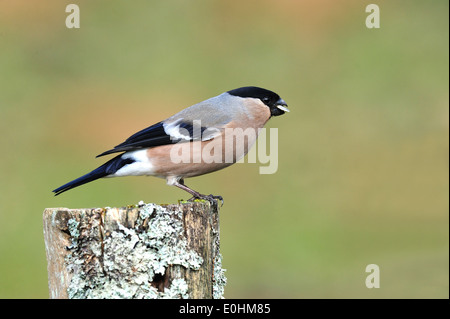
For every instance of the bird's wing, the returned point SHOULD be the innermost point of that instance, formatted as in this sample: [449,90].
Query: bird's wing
[197,122]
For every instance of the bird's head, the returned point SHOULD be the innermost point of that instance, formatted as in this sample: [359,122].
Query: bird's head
[272,100]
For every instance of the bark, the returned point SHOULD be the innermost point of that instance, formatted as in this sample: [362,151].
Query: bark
[144,251]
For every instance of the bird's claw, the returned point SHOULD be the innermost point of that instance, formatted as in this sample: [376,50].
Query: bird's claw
[210,198]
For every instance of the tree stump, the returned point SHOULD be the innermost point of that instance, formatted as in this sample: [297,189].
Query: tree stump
[142,251]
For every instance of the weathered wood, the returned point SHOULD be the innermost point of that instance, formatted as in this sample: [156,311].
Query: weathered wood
[143,251]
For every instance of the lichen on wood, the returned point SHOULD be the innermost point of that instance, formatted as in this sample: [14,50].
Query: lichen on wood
[143,251]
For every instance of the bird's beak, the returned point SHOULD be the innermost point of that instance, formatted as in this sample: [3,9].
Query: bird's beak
[282,105]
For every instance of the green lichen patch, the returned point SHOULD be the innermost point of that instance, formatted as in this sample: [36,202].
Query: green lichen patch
[72,225]
[195,200]
[219,281]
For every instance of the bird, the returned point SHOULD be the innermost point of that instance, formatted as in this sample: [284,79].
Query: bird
[193,142]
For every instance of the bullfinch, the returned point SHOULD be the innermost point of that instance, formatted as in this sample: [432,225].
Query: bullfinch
[200,139]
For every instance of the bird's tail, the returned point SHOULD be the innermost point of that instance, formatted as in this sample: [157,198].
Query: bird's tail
[106,169]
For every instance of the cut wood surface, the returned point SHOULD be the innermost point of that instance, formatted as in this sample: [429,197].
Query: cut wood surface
[142,251]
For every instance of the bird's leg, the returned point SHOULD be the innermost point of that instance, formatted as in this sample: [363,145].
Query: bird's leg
[196,195]
[180,184]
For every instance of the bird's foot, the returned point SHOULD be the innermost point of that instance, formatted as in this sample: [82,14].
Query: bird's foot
[213,199]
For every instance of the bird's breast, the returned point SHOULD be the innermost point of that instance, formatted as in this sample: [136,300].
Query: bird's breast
[188,159]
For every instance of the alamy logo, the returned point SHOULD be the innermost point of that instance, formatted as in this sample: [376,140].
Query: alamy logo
[73,19]
[373,19]
[373,279]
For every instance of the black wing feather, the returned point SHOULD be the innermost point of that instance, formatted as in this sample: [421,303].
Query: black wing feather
[151,136]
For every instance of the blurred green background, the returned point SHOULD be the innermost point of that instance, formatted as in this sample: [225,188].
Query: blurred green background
[363,155]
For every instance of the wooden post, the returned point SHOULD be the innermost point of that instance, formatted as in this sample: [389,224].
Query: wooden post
[142,251]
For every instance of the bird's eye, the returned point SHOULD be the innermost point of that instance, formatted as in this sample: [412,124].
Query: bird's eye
[266,99]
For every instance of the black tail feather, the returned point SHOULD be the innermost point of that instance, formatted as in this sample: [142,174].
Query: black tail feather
[89,177]
[106,169]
